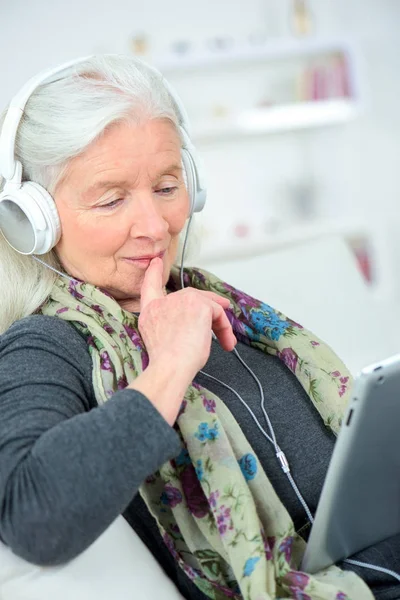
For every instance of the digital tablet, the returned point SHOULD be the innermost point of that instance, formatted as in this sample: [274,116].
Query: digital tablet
[360,499]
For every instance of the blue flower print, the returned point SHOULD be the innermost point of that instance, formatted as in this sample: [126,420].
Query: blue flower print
[264,319]
[199,469]
[202,432]
[248,466]
[213,433]
[183,458]
[249,565]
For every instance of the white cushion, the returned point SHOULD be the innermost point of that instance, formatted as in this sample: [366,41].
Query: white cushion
[117,566]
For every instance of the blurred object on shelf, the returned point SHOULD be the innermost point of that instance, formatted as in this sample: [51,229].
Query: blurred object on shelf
[241,230]
[299,201]
[139,44]
[280,85]
[220,111]
[220,44]
[181,47]
[257,38]
[362,250]
[326,78]
[301,20]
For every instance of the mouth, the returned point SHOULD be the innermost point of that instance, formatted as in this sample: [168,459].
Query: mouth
[145,260]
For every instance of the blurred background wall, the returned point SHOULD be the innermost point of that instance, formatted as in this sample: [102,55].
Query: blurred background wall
[294,107]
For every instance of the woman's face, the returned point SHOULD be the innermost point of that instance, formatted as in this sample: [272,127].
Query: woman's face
[122,202]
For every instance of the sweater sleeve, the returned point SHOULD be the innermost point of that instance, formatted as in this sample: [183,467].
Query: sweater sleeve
[68,468]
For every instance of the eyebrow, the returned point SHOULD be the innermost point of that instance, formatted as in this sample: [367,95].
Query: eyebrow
[109,183]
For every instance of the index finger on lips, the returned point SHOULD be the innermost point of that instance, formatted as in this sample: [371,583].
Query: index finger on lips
[152,286]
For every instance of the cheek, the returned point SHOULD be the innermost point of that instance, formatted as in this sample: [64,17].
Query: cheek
[89,236]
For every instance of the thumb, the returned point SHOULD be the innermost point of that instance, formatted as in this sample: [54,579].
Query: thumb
[152,286]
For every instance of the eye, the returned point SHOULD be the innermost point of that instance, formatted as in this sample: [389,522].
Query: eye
[167,191]
[112,203]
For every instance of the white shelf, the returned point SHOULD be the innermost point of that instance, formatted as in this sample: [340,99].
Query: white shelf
[284,237]
[272,50]
[302,115]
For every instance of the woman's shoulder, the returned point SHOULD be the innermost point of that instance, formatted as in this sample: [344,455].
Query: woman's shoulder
[44,332]
[38,324]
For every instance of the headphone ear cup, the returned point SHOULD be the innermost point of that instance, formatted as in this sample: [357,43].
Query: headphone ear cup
[29,219]
[189,177]
[197,195]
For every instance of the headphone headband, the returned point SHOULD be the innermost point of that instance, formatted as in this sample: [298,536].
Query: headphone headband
[16,110]
[18,103]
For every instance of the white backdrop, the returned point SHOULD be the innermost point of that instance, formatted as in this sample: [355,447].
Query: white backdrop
[355,166]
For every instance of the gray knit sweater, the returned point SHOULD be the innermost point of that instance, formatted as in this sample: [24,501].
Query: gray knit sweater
[68,468]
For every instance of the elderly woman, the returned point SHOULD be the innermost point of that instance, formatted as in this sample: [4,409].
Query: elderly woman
[104,409]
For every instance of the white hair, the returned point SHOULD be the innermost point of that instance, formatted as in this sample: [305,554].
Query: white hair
[60,120]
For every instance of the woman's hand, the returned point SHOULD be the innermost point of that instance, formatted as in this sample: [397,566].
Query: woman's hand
[176,328]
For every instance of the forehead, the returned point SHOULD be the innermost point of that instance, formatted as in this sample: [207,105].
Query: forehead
[126,148]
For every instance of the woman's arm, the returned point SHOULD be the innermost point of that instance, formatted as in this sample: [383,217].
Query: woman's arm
[66,472]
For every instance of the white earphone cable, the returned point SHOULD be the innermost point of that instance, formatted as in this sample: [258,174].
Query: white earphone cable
[272,439]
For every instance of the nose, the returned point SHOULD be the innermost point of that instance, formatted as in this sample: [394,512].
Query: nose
[148,220]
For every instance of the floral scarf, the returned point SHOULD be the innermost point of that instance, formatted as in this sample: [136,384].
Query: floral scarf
[215,508]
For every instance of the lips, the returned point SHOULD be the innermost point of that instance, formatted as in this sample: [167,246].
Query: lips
[144,260]
[148,256]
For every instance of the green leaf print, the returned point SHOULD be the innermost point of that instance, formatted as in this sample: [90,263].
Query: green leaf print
[314,391]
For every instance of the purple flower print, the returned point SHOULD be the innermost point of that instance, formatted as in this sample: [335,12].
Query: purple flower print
[190,572]
[289,357]
[298,326]
[73,291]
[122,382]
[170,545]
[62,310]
[182,408]
[241,297]
[171,496]
[335,373]
[238,327]
[90,341]
[209,404]
[108,329]
[344,380]
[341,596]
[299,594]
[286,547]
[138,343]
[213,498]
[105,363]
[227,592]
[342,390]
[195,498]
[223,518]
[151,479]
[199,275]
[297,579]
[269,543]
[97,309]
[314,343]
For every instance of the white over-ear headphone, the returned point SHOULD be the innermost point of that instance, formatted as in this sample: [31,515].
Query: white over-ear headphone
[29,219]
